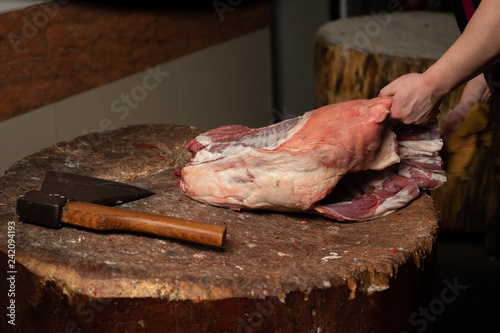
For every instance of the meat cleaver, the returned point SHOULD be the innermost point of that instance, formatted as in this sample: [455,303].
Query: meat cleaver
[82,201]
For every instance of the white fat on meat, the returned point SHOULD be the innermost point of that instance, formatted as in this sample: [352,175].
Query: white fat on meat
[297,164]
[267,138]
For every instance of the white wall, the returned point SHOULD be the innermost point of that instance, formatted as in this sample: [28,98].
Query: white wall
[229,83]
[11,5]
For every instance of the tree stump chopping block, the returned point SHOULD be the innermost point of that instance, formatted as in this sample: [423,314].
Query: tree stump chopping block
[358,56]
[277,271]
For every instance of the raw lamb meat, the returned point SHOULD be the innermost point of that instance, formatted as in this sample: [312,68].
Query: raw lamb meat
[345,161]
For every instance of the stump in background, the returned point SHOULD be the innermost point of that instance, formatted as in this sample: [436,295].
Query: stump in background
[358,56]
[469,202]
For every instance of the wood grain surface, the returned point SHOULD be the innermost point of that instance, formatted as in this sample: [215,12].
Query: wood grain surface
[356,57]
[53,51]
[294,272]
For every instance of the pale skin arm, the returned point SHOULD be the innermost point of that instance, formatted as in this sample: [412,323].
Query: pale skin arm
[476,91]
[416,97]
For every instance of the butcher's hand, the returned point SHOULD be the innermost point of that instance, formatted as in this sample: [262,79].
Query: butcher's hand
[414,101]
[475,91]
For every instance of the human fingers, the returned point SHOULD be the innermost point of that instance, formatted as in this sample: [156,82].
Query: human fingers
[453,119]
[388,90]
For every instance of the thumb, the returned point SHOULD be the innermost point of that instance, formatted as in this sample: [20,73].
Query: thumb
[388,90]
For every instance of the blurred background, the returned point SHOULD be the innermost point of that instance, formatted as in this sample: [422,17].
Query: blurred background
[74,67]
[70,68]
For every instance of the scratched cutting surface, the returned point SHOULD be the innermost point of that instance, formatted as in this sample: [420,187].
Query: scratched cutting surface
[266,253]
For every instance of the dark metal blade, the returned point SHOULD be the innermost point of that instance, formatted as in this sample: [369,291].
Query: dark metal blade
[91,189]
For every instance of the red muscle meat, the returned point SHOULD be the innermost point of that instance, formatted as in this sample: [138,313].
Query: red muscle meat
[344,161]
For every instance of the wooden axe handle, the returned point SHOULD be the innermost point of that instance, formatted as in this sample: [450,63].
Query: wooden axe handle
[101,218]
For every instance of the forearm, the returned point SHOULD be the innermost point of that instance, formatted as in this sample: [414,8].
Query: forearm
[477,49]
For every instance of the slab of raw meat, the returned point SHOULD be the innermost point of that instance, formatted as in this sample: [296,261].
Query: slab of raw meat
[341,160]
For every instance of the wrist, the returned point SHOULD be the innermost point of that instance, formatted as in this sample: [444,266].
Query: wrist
[436,84]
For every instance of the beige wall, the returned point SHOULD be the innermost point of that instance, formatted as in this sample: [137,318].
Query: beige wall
[229,83]
[11,5]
